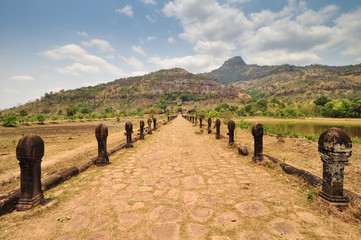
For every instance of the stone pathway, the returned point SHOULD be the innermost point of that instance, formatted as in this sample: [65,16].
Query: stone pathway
[177,185]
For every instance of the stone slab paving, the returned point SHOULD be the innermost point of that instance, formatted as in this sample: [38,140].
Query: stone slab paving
[177,185]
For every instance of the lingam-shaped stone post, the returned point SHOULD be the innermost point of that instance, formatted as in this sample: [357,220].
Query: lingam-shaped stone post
[168,119]
[155,123]
[141,129]
[209,125]
[101,133]
[129,131]
[200,122]
[218,128]
[29,152]
[231,127]
[149,126]
[335,147]
[257,132]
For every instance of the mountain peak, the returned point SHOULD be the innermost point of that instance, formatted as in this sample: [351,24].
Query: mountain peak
[235,61]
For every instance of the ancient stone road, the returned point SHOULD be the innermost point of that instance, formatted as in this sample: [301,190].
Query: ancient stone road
[178,185]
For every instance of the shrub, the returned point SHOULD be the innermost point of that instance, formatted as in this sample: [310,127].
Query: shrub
[9,121]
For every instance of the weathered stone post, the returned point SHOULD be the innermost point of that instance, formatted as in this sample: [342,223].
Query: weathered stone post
[193,119]
[141,129]
[218,128]
[101,133]
[168,119]
[209,125]
[231,127]
[200,122]
[155,123]
[149,126]
[29,152]
[196,120]
[257,132]
[335,147]
[129,130]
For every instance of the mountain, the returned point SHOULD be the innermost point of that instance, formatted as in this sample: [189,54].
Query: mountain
[135,92]
[291,82]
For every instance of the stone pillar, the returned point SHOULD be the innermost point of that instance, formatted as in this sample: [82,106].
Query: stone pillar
[101,133]
[193,119]
[141,129]
[200,122]
[129,131]
[29,152]
[155,123]
[218,128]
[149,126]
[209,125]
[168,119]
[257,132]
[231,127]
[196,120]
[335,147]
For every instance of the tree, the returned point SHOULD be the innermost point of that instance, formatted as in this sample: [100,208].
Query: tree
[40,118]
[321,101]
[162,104]
[336,109]
[9,120]
[23,113]
[71,111]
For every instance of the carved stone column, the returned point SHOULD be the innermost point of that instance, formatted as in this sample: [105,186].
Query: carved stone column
[155,123]
[29,152]
[149,126]
[141,129]
[335,147]
[101,133]
[218,128]
[257,132]
[129,131]
[209,125]
[231,127]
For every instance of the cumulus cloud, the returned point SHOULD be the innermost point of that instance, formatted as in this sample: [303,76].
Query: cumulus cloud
[294,34]
[171,40]
[22,78]
[83,60]
[150,38]
[195,63]
[127,10]
[101,44]
[153,2]
[151,19]
[83,33]
[138,49]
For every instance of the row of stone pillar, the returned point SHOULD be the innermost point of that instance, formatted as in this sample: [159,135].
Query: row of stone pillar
[30,151]
[217,125]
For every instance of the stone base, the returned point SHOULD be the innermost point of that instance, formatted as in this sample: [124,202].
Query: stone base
[209,131]
[129,145]
[335,201]
[26,204]
[102,161]
[258,158]
[218,137]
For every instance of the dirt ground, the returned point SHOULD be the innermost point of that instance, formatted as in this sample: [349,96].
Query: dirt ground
[177,184]
[66,144]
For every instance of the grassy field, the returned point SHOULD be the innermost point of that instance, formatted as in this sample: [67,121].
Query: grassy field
[66,144]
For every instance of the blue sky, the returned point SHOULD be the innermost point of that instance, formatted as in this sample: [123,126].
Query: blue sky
[48,45]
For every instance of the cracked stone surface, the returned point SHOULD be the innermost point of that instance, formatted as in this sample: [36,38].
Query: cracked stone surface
[177,185]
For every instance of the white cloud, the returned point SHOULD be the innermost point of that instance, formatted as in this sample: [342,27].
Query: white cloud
[171,40]
[80,56]
[135,63]
[11,90]
[149,2]
[197,63]
[22,78]
[295,33]
[150,19]
[83,33]
[150,38]
[78,68]
[138,49]
[127,10]
[101,44]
